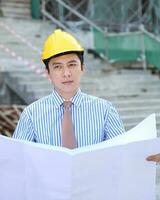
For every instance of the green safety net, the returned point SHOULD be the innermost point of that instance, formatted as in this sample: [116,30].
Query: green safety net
[128,46]
[124,47]
[152,50]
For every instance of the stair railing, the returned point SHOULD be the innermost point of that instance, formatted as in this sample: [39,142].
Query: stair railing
[71,10]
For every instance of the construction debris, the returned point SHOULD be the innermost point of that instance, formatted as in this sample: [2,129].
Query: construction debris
[9,116]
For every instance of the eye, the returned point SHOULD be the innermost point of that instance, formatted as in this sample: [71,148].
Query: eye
[57,66]
[73,65]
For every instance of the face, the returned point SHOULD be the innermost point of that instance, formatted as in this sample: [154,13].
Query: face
[65,73]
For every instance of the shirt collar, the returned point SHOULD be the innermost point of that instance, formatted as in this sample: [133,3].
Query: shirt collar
[58,100]
[76,99]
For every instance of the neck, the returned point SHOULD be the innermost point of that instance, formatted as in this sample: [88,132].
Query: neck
[67,96]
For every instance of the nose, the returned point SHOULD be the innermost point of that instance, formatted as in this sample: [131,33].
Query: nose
[66,72]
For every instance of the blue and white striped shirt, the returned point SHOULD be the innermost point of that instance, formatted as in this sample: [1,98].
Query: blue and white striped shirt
[94,119]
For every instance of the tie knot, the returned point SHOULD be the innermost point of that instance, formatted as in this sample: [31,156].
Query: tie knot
[67,104]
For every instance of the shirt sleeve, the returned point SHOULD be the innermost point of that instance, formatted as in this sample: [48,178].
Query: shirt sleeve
[113,123]
[24,129]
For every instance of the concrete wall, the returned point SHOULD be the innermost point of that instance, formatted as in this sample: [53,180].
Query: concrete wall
[7,96]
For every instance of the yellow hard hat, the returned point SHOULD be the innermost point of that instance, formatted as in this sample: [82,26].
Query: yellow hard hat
[60,42]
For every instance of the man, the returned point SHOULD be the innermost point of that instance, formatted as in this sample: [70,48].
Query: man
[87,119]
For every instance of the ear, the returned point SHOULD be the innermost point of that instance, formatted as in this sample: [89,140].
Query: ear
[47,75]
[83,69]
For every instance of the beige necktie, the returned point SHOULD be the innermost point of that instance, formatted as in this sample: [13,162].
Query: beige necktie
[68,136]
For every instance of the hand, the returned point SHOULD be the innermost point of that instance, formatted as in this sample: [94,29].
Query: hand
[154,158]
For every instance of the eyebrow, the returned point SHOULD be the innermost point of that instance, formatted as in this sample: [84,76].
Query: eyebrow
[56,63]
[59,63]
[72,61]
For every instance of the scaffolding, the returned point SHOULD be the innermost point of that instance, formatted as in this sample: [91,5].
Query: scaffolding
[115,16]
[122,16]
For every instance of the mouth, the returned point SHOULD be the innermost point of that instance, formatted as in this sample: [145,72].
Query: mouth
[67,82]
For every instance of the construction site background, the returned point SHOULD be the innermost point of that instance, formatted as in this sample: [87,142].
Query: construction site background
[122,42]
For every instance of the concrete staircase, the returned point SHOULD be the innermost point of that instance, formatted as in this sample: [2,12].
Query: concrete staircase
[16,8]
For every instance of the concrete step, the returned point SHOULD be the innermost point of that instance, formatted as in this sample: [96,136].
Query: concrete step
[15,4]
[28,78]
[112,81]
[32,86]
[126,95]
[16,9]
[35,60]
[25,72]
[136,102]
[23,15]
[131,80]
[10,43]
[17,1]
[100,87]
[131,77]
[120,95]
[28,95]
[139,110]
[22,71]
[36,31]
[41,93]
[135,119]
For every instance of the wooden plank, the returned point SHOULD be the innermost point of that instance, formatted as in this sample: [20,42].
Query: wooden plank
[9,116]
[16,110]
[7,119]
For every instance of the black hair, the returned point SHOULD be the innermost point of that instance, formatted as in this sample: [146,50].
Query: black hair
[80,55]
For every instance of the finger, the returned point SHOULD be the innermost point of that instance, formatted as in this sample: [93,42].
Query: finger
[155,158]
[151,158]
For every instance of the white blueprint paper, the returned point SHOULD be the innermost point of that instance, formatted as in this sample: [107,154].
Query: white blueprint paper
[114,170]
